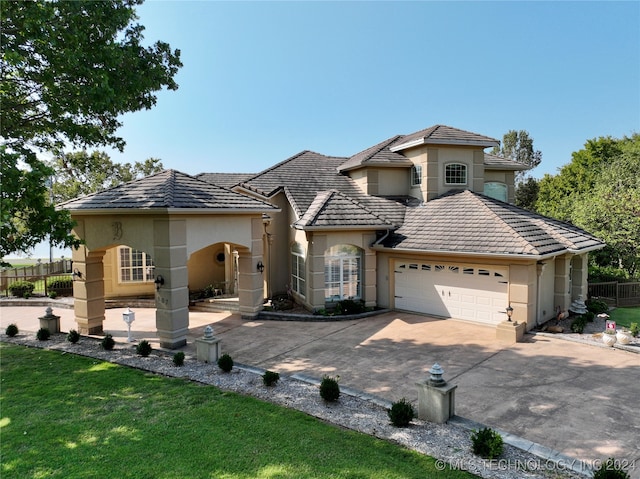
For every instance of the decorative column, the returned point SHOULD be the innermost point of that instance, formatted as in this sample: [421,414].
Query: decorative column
[315,258]
[88,290]
[251,280]
[172,291]
[436,398]
[562,283]
[579,275]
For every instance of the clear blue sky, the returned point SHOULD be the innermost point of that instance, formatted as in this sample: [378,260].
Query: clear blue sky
[263,81]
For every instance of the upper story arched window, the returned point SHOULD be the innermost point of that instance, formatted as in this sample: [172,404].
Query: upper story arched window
[455,174]
[496,190]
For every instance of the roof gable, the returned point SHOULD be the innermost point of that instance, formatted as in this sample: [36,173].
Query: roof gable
[169,189]
[377,155]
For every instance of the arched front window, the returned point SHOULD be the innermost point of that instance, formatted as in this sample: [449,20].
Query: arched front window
[298,269]
[496,190]
[455,174]
[343,272]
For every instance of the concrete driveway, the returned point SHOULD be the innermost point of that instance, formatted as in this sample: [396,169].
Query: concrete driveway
[582,400]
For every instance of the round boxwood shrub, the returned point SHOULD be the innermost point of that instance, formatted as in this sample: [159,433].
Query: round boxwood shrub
[144,348]
[73,336]
[43,334]
[401,413]
[178,359]
[11,330]
[270,378]
[108,342]
[487,443]
[329,389]
[22,288]
[225,363]
[610,469]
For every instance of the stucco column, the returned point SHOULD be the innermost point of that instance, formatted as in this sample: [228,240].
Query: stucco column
[88,290]
[251,281]
[370,278]
[522,293]
[562,282]
[172,297]
[316,286]
[579,276]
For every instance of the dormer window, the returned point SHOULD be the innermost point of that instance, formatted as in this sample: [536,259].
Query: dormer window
[416,175]
[455,174]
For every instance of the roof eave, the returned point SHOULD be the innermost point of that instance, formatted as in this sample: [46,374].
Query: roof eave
[537,257]
[428,141]
[340,228]
[173,211]
[377,164]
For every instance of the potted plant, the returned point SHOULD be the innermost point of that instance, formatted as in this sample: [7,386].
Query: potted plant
[624,336]
[609,337]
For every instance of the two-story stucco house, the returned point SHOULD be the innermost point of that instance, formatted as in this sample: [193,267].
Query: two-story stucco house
[421,222]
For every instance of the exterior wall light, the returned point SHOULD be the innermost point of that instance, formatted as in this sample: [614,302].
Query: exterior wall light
[76,274]
[509,313]
[260,266]
[159,282]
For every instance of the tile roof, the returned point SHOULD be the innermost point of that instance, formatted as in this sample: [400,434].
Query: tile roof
[465,222]
[226,180]
[377,155]
[169,189]
[302,176]
[494,162]
[443,135]
[332,209]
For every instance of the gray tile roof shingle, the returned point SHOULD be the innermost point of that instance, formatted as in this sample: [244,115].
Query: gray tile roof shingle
[442,135]
[226,180]
[494,162]
[377,155]
[333,209]
[466,222]
[169,189]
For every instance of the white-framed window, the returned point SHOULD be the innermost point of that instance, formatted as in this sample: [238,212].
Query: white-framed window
[343,272]
[298,270]
[416,175]
[134,266]
[455,174]
[494,189]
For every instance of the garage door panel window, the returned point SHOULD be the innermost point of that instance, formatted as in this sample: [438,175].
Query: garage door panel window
[343,273]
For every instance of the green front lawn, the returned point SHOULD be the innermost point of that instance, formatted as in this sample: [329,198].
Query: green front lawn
[625,316]
[66,416]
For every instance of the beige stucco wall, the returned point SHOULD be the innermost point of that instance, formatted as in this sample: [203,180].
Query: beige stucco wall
[394,181]
[547,299]
[113,287]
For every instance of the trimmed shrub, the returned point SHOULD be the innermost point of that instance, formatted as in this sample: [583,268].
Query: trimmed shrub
[178,359]
[578,324]
[330,389]
[73,336]
[589,316]
[53,294]
[61,286]
[350,306]
[21,288]
[225,363]
[401,413]
[270,378]
[108,342]
[634,330]
[144,348]
[11,331]
[43,334]
[597,306]
[610,469]
[487,443]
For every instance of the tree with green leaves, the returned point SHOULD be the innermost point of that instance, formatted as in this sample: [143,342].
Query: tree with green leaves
[610,208]
[518,146]
[526,194]
[80,173]
[69,71]
[557,193]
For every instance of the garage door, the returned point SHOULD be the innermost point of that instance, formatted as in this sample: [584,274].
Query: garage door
[463,291]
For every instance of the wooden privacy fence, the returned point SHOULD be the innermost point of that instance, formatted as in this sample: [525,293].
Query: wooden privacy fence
[615,293]
[42,275]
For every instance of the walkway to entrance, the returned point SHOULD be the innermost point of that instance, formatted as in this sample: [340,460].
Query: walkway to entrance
[575,398]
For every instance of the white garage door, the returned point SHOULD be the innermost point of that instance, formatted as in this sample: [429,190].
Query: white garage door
[463,291]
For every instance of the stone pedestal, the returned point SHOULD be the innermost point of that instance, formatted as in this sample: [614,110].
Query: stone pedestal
[208,350]
[436,403]
[50,321]
[510,331]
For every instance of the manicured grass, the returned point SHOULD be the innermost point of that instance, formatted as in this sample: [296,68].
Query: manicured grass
[66,416]
[625,316]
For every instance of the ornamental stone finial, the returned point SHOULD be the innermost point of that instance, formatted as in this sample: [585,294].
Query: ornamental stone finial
[436,378]
[208,332]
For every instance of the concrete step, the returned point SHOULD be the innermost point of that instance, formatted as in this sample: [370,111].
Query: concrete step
[215,306]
